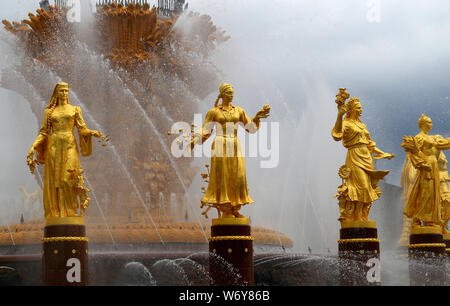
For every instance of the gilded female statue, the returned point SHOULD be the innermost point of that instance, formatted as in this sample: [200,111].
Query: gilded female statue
[445,191]
[227,189]
[407,180]
[56,148]
[424,204]
[360,185]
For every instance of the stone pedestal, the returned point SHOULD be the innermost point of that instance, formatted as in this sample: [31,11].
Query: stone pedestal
[446,238]
[359,254]
[426,257]
[65,252]
[231,252]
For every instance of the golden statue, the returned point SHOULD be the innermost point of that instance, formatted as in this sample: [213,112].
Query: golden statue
[424,202]
[56,148]
[227,186]
[445,191]
[360,180]
[407,180]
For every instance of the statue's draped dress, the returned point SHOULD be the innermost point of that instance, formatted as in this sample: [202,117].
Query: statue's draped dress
[362,183]
[445,190]
[56,147]
[407,179]
[227,178]
[424,202]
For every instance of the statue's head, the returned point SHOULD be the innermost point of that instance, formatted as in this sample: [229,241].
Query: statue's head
[62,91]
[354,108]
[425,123]
[226,93]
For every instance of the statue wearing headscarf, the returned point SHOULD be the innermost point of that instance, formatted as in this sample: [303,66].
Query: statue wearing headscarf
[227,189]
[424,204]
[56,148]
[360,179]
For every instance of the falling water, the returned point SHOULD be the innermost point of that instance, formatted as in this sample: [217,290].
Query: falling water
[100,209]
[166,150]
[135,274]
[269,259]
[101,64]
[169,272]
[130,179]
[172,205]
[161,206]
[196,273]
[10,234]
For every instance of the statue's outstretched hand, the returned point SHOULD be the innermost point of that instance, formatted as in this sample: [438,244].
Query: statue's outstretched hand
[390,156]
[31,154]
[96,133]
[264,112]
[384,155]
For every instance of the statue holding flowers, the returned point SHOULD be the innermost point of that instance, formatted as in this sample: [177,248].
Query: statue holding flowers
[227,183]
[360,180]
[55,146]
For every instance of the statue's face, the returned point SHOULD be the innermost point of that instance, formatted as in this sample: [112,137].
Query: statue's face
[358,109]
[228,94]
[427,124]
[63,93]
